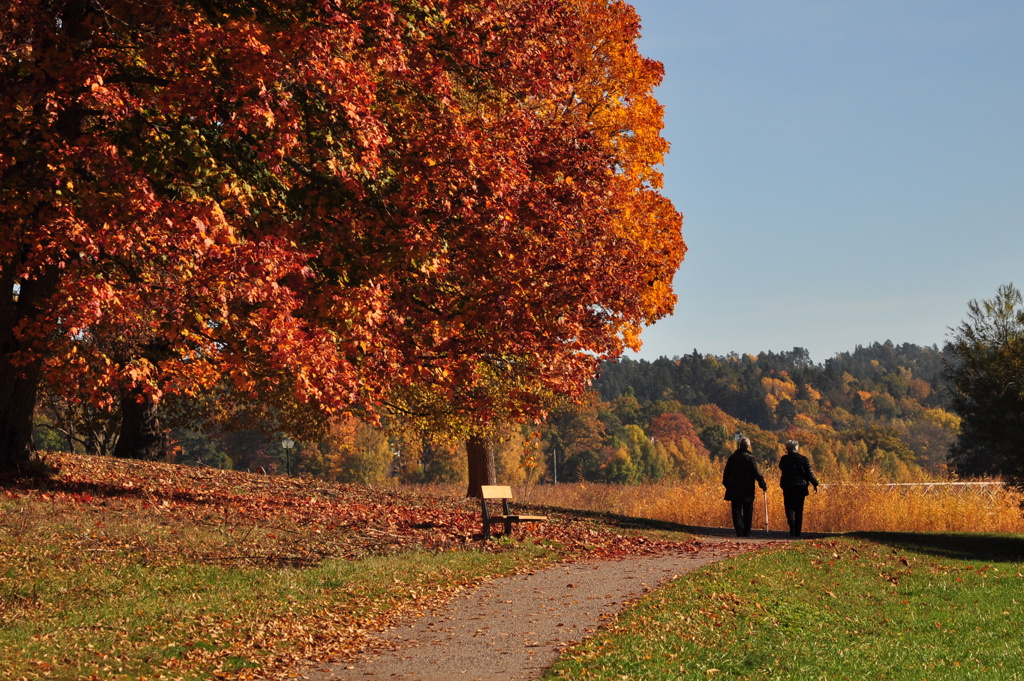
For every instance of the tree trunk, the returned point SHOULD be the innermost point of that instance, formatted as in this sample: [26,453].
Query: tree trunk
[21,367]
[18,388]
[142,436]
[481,465]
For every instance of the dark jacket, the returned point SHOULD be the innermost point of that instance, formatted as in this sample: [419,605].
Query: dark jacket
[740,474]
[796,473]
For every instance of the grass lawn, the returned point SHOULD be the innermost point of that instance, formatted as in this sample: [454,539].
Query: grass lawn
[194,623]
[132,570]
[65,615]
[867,606]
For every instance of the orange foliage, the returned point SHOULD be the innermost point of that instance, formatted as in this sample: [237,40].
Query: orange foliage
[615,95]
[676,428]
[337,204]
[778,388]
[919,389]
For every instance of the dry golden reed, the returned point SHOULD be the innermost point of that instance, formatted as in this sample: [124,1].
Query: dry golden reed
[845,507]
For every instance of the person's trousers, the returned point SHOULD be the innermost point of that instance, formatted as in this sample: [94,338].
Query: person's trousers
[793,500]
[742,517]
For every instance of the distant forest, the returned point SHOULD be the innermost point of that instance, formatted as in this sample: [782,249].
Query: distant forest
[883,380]
[880,410]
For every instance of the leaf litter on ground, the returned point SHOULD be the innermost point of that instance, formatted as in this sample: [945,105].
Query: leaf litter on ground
[103,529]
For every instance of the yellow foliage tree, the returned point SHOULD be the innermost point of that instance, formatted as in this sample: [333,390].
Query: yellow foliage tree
[356,452]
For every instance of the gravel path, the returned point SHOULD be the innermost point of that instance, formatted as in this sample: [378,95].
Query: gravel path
[513,628]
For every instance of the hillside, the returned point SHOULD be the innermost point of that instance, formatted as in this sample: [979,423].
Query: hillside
[881,407]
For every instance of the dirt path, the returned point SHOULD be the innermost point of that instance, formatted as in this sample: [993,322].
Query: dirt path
[514,628]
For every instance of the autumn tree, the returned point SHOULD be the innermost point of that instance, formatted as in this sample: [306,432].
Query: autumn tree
[931,437]
[138,145]
[675,427]
[339,205]
[572,435]
[356,452]
[518,308]
[74,423]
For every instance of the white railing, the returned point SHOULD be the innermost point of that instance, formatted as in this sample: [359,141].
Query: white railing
[957,487]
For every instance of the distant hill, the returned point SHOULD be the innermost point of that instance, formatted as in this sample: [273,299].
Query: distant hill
[737,383]
[879,410]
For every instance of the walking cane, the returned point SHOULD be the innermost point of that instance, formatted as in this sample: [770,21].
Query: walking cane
[766,531]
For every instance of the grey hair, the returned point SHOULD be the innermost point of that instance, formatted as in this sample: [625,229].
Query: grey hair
[792,445]
[745,443]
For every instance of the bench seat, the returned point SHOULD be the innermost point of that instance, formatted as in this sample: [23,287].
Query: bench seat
[506,517]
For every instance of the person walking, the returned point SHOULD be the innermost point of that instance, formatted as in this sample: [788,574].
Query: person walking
[740,474]
[796,475]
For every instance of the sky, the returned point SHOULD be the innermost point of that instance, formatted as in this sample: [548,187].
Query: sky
[848,172]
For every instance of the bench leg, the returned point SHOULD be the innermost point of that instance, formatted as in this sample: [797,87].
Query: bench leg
[487,519]
[508,512]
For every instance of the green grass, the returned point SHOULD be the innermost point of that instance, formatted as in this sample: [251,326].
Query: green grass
[136,621]
[71,608]
[872,606]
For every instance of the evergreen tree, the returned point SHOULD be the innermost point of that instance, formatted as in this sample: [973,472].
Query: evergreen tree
[986,375]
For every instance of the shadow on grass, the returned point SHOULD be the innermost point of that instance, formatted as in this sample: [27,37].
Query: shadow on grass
[1000,548]
[107,489]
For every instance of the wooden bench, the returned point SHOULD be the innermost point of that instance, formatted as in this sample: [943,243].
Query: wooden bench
[503,492]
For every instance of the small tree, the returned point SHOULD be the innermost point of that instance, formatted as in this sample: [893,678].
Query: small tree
[985,372]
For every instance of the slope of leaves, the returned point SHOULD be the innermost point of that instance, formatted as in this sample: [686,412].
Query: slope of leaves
[278,521]
[122,569]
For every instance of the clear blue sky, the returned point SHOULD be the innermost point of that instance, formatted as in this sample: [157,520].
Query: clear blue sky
[849,172]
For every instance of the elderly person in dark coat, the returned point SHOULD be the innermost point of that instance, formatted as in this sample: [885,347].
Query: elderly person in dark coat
[796,476]
[740,474]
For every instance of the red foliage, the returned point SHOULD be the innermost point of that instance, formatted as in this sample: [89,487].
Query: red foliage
[327,203]
[674,426]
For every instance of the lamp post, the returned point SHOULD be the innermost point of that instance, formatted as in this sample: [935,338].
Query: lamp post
[287,445]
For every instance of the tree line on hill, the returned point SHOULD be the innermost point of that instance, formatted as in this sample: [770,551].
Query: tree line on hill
[882,406]
[900,412]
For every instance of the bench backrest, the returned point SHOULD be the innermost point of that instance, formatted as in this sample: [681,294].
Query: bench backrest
[495,492]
